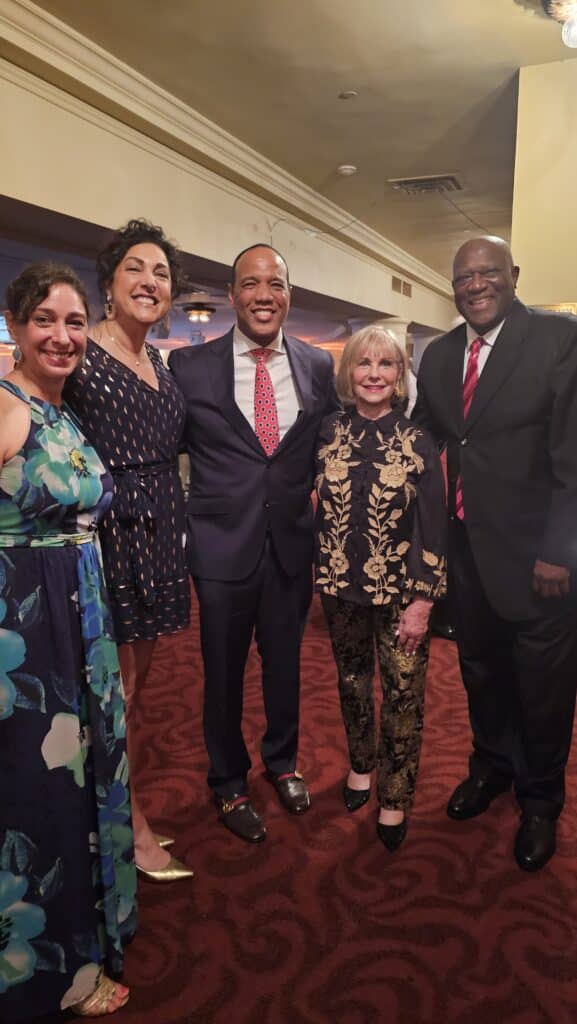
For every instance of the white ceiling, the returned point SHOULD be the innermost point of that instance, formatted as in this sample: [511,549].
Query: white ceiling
[436,83]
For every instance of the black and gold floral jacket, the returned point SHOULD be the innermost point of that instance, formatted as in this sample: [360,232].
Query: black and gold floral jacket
[381,515]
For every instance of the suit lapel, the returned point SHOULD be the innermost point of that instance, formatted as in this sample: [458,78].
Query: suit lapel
[454,376]
[221,375]
[301,368]
[501,362]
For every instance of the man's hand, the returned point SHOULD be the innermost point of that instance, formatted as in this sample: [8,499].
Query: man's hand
[550,580]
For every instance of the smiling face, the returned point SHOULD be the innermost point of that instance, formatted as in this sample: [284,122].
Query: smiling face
[260,294]
[53,339]
[141,286]
[374,376]
[484,280]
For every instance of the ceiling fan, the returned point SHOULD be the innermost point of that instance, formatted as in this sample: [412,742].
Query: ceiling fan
[199,305]
[562,11]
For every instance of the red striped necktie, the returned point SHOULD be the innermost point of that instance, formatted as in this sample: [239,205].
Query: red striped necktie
[469,384]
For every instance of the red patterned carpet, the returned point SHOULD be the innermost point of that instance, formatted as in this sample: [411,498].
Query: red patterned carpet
[320,924]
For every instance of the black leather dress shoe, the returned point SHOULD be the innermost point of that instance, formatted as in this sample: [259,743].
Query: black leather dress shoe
[392,836]
[240,817]
[292,791]
[472,797]
[355,798]
[535,842]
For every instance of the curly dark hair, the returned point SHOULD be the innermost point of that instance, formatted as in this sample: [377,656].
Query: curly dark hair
[136,231]
[33,285]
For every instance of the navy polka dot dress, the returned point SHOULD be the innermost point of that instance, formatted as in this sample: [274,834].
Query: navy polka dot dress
[136,431]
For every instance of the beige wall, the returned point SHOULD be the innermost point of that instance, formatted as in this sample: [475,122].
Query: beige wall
[545,195]
[62,154]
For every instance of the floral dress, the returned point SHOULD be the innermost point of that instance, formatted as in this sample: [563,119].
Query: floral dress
[67,876]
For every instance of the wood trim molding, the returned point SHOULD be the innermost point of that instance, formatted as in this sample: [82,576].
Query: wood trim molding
[55,53]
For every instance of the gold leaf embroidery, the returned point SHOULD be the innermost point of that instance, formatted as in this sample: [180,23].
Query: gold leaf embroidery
[429,558]
[398,467]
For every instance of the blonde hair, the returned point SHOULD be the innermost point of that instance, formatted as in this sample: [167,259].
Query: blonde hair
[372,339]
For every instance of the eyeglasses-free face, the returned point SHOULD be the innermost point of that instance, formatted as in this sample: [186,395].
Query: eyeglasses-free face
[141,286]
[374,378]
[53,339]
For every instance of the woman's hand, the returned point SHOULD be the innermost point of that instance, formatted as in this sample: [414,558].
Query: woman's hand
[413,624]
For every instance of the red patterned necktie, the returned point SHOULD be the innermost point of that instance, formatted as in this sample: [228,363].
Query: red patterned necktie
[266,425]
[469,385]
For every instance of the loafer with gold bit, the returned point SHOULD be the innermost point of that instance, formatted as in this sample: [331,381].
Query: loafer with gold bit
[239,816]
[291,790]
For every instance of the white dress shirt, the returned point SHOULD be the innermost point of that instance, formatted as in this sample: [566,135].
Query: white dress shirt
[287,399]
[489,340]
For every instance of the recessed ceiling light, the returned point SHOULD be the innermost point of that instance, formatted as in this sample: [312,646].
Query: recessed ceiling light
[345,170]
[348,94]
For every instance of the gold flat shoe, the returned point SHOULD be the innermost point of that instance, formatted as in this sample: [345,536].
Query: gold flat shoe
[97,1004]
[163,840]
[171,873]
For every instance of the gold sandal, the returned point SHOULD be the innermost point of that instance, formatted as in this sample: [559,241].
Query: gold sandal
[98,1002]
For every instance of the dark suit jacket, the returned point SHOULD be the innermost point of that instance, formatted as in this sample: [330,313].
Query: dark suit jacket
[237,493]
[517,450]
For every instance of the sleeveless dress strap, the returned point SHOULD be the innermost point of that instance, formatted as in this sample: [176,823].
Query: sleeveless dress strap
[14,390]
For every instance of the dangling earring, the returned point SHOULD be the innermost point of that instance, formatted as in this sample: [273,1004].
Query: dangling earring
[165,323]
[108,307]
[17,353]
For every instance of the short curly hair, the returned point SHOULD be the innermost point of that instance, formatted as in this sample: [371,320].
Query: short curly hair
[135,232]
[33,285]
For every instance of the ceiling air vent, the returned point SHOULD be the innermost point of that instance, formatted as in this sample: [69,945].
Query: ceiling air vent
[402,287]
[428,183]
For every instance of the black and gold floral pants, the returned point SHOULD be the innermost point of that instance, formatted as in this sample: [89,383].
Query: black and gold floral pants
[355,631]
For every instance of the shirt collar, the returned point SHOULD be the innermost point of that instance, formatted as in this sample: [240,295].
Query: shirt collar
[242,344]
[489,338]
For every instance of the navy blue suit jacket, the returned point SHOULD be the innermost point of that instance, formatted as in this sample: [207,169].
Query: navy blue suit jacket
[237,493]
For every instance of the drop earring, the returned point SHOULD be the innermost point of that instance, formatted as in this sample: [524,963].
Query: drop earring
[17,353]
[108,306]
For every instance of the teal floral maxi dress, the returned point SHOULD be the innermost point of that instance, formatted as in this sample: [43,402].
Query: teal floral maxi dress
[67,876]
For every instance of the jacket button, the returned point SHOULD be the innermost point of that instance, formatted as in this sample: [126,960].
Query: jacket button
[465,441]
[267,504]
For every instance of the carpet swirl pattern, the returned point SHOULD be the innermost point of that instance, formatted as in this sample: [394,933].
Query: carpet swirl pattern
[320,924]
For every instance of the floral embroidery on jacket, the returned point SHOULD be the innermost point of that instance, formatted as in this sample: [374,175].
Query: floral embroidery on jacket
[337,463]
[381,513]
